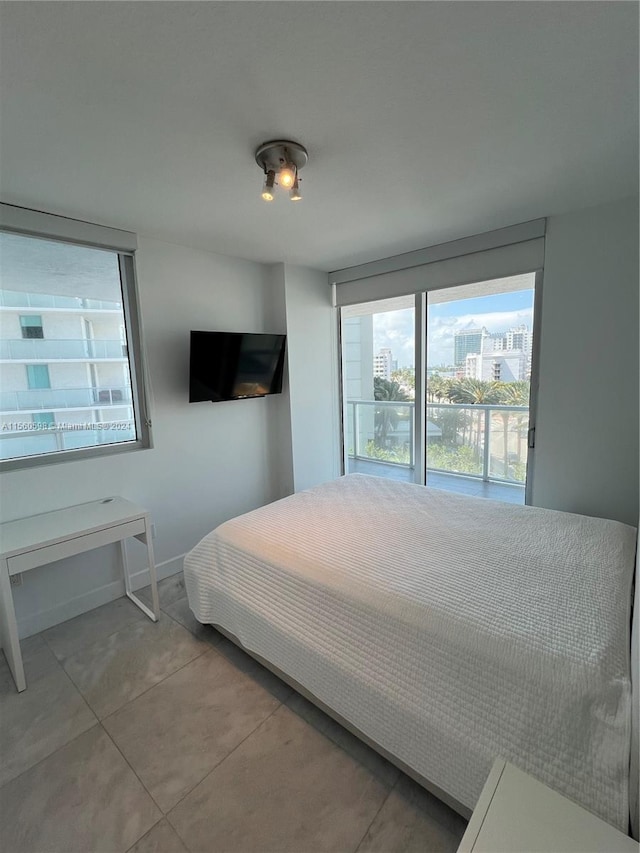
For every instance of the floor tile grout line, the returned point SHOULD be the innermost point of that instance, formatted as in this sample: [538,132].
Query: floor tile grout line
[51,754]
[100,722]
[222,760]
[100,639]
[151,686]
[207,648]
[96,721]
[42,633]
[373,819]
[151,828]
[128,763]
[340,746]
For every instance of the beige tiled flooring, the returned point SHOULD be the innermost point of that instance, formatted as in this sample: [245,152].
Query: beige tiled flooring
[166,738]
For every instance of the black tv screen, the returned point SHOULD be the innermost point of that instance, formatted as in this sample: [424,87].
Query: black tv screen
[235,365]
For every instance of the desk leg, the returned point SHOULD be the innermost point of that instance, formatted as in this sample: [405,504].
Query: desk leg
[9,629]
[145,538]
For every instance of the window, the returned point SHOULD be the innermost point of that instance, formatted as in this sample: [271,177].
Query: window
[38,376]
[44,420]
[85,377]
[474,348]
[31,326]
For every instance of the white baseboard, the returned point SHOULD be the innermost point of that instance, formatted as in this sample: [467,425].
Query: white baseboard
[163,570]
[33,623]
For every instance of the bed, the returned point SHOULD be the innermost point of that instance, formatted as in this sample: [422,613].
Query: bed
[443,629]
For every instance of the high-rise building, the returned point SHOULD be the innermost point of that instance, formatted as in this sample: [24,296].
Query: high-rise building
[497,366]
[383,363]
[517,339]
[467,341]
[65,373]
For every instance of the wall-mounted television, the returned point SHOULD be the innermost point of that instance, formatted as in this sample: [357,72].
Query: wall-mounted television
[234,365]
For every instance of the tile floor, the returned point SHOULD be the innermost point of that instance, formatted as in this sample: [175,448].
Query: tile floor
[167,738]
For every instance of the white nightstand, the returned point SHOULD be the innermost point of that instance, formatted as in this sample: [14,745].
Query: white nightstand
[518,814]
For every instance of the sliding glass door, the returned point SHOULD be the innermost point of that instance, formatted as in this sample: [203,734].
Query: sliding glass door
[378,368]
[478,368]
[476,354]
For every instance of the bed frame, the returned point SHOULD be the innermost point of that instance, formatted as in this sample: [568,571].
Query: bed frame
[421,780]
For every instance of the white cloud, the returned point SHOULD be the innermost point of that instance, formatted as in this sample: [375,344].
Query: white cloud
[395,330]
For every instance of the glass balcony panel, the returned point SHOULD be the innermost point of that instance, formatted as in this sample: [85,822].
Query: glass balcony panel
[459,446]
[50,399]
[36,441]
[47,350]
[22,299]
[508,457]
[381,430]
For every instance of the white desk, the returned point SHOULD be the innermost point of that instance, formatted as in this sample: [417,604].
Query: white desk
[518,814]
[41,539]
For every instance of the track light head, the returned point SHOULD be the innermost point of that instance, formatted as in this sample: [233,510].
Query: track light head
[267,189]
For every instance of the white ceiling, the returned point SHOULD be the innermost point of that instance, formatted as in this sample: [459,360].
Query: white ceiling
[424,121]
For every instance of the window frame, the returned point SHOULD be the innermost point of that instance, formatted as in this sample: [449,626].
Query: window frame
[24,326]
[50,227]
[34,385]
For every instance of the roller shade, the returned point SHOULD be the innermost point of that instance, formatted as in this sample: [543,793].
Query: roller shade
[494,255]
[22,220]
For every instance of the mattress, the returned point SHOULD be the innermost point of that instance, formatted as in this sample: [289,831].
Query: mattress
[449,630]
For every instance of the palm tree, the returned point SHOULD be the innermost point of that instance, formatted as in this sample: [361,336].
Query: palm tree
[513,394]
[435,387]
[472,391]
[386,417]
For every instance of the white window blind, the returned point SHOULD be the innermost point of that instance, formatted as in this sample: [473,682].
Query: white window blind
[40,224]
[493,255]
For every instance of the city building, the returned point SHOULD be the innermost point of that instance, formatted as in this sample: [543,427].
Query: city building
[466,341]
[507,366]
[65,373]
[518,338]
[497,356]
[384,364]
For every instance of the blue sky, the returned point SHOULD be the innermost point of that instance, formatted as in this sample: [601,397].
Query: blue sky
[394,329]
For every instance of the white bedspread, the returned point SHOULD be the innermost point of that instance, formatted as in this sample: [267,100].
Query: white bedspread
[448,629]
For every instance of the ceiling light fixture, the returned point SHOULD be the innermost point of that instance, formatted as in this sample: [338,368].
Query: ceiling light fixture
[281,161]
[294,192]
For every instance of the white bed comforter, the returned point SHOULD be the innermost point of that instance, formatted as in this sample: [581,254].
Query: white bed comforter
[450,630]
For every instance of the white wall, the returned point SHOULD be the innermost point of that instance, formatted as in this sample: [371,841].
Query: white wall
[279,426]
[313,376]
[586,456]
[209,461]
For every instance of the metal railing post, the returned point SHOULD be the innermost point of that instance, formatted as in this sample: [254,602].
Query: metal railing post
[487,447]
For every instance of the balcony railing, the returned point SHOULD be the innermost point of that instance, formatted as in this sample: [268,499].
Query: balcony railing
[487,442]
[39,440]
[39,349]
[52,399]
[20,299]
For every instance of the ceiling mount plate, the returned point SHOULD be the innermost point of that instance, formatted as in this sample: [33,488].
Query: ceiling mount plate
[272,156]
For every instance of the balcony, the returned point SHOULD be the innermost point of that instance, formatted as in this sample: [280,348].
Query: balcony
[53,399]
[473,449]
[77,349]
[40,440]
[20,299]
